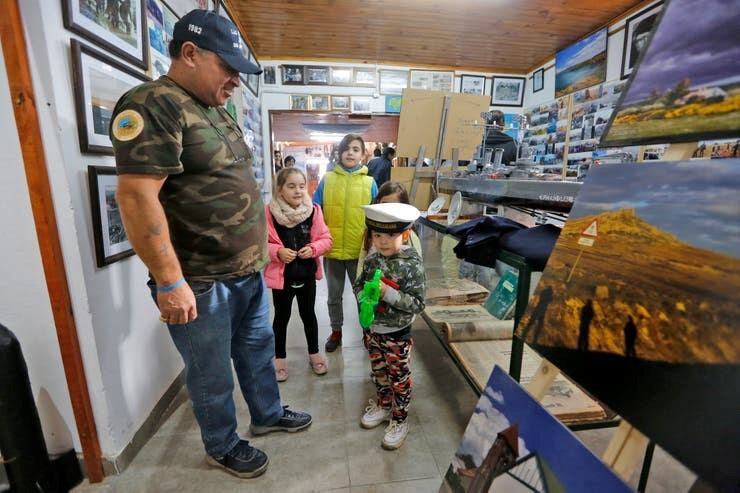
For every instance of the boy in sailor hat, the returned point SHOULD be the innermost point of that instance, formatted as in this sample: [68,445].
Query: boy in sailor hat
[388,339]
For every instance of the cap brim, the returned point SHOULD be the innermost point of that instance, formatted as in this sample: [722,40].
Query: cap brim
[241,64]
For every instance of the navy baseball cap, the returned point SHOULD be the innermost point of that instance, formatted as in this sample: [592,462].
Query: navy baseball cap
[212,32]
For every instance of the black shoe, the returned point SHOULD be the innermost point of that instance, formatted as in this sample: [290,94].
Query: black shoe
[243,460]
[291,422]
[333,342]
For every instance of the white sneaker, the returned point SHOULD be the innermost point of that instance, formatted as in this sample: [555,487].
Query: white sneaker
[374,415]
[395,434]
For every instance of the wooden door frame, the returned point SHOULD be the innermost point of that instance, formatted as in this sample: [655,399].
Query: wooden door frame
[39,189]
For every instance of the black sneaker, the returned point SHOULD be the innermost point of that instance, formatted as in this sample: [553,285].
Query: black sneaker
[243,460]
[333,342]
[291,422]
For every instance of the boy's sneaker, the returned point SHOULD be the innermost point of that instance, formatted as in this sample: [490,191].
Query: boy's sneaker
[334,341]
[374,415]
[291,422]
[395,434]
[243,460]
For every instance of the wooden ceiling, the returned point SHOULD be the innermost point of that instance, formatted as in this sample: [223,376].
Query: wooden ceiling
[294,126]
[484,35]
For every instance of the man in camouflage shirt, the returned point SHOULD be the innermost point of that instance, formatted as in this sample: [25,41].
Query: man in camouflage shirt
[388,338]
[193,212]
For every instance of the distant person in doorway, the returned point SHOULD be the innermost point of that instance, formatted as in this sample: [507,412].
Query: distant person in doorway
[496,138]
[630,338]
[587,315]
[288,162]
[377,152]
[341,194]
[297,237]
[380,167]
[194,214]
[539,312]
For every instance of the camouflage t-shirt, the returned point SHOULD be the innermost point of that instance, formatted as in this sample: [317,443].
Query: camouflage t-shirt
[398,307]
[210,197]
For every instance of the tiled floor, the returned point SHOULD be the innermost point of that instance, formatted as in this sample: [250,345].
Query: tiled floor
[335,454]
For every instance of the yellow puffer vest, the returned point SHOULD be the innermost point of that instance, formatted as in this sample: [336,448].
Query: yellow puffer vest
[344,193]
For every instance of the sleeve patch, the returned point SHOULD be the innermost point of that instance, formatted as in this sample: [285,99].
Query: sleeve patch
[128,125]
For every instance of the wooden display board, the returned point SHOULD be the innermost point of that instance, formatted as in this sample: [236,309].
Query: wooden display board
[421,116]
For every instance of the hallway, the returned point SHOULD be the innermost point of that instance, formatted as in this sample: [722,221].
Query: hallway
[335,453]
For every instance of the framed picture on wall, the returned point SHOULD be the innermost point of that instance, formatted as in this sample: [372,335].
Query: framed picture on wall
[340,103]
[300,102]
[320,102]
[127,39]
[268,75]
[361,104]
[432,80]
[316,76]
[472,84]
[253,80]
[507,91]
[111,244]
[538,80]
[98,83]
[364,76]
[293,75]
[341,76]
[393,82]
[636,35]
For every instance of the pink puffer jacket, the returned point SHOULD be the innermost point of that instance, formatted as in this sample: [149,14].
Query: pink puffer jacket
[320,243]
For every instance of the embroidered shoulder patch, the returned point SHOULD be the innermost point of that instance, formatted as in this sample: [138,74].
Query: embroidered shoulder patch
[128,125]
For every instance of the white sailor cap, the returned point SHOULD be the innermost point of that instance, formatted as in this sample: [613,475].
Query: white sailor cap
[390,217]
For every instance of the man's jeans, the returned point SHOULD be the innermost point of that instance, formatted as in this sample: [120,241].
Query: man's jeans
[233,323]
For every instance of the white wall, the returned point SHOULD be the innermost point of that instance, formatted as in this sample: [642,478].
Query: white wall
[24,305]
[615,42]
[277,97]
[128,356]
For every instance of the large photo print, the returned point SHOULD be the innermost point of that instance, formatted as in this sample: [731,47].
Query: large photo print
[639,305]
[686,87]
[581,65]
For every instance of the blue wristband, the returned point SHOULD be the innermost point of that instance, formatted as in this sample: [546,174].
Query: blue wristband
[171,287]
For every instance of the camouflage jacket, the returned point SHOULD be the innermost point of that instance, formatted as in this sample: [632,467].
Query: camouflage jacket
[210,197]
[398,307]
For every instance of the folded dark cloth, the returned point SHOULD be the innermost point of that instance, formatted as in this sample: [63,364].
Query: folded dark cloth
[480,238]
[534,244]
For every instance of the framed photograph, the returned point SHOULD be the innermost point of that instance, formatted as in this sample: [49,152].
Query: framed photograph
[393,104]
[538,80]
[507,91]
[98,83]
[361,104]
[268,75]
[300,102]
[293,75]
[316,76]
[320,102]
[637,31]
[393,82]
[253,80]
[692,100]
[582,64]
[341,76]
[121,33]
[111,244]
[340,103]
[159,66]
[472,84]
[432,80]
[364,77]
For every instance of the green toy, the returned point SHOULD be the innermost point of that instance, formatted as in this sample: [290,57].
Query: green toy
[369,299]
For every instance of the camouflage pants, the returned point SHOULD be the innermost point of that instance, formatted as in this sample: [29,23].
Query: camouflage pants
[391,371]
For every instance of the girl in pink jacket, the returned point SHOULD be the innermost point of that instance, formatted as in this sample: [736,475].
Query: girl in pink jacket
[296,237]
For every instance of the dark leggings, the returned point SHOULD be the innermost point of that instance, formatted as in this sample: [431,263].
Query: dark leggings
[282,300]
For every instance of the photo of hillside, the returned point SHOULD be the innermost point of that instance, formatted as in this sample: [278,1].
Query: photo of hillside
[687,87]
[639,304]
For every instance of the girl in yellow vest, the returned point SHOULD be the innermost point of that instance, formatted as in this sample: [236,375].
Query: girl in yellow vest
[341,194]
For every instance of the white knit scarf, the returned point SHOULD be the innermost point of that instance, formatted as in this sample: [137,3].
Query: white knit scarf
[288,216]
